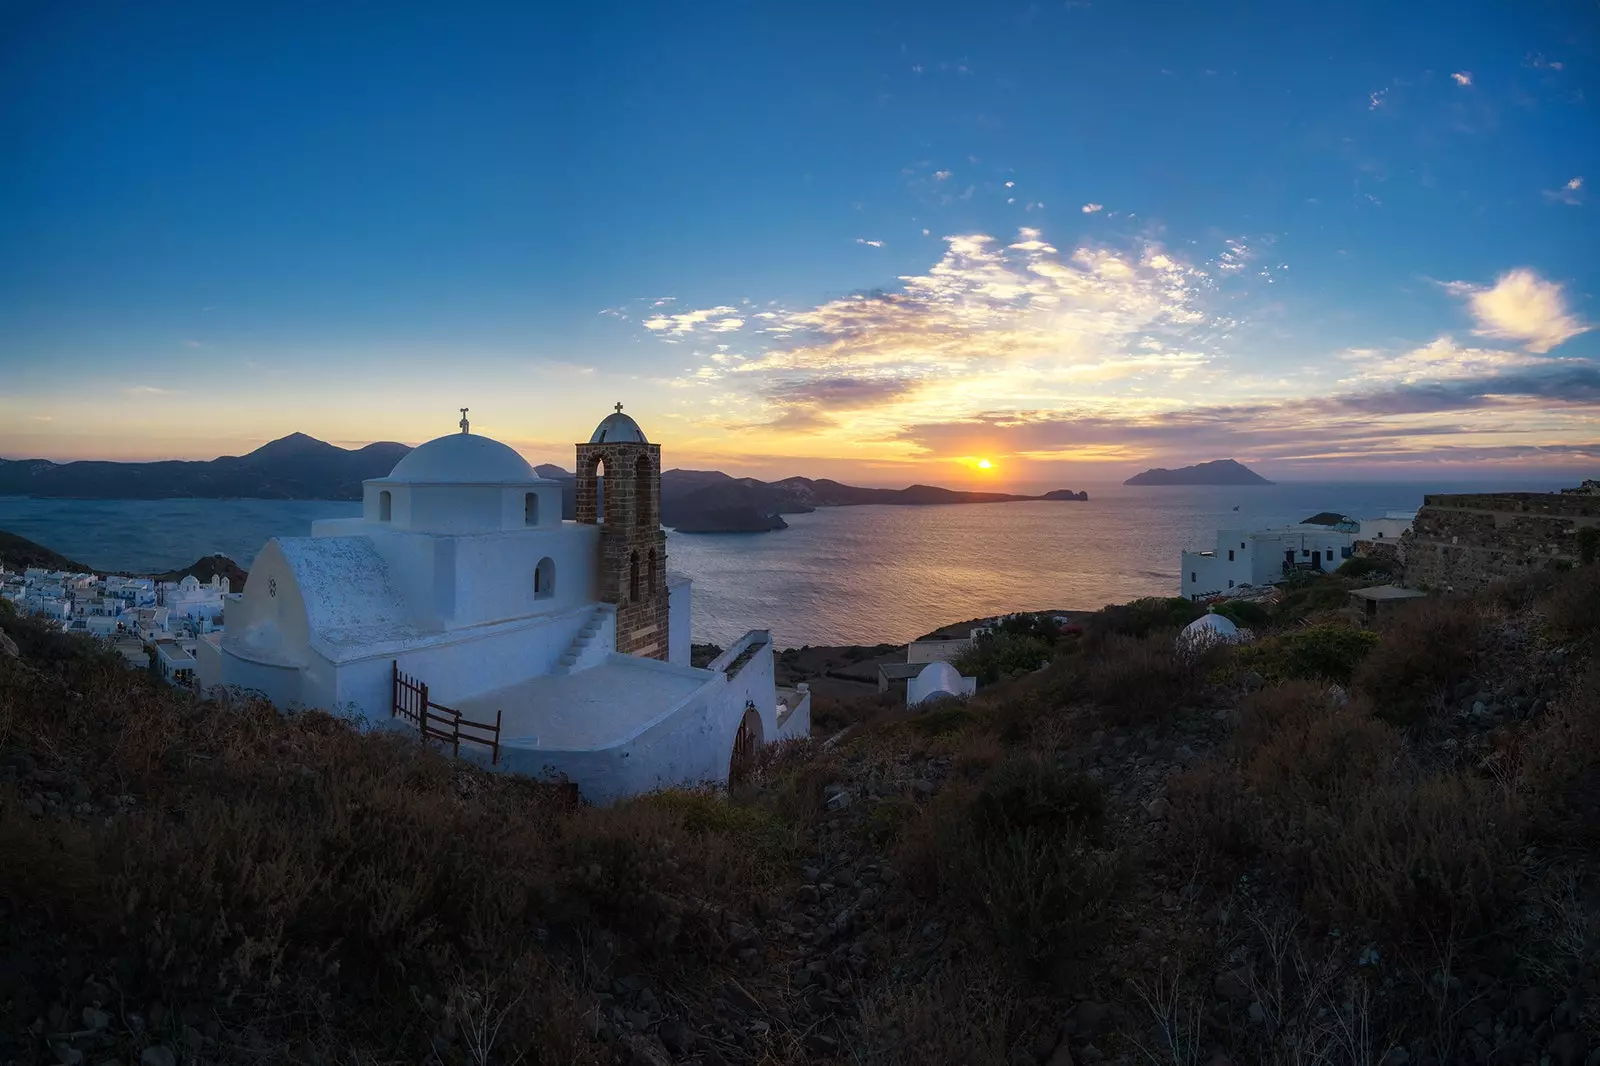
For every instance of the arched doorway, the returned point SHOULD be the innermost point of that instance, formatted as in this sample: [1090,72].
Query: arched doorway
[746,745]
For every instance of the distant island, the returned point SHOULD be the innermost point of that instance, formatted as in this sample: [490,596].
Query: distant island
[1216,472]
[300,467]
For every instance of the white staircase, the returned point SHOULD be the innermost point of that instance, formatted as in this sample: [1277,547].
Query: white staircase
[590,646]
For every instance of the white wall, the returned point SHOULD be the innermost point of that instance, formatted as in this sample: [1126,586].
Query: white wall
[680,593]
[936,651]
[1384,528]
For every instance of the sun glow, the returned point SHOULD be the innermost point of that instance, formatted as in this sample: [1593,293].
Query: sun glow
[984,464]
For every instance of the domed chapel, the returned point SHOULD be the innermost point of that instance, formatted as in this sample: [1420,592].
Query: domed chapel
[462,607]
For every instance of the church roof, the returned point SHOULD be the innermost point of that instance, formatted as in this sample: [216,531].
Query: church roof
[617,428]
[462,459]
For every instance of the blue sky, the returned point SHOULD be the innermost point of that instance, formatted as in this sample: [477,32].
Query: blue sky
[883,241]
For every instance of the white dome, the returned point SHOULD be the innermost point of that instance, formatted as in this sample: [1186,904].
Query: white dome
[462,459]
[617,428]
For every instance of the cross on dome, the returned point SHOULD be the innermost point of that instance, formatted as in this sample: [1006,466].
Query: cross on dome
[619,407]
[464,424]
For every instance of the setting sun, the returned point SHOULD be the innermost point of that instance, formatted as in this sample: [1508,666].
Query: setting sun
[984,464]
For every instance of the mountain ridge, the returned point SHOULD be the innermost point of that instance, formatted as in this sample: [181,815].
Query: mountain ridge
[300,466]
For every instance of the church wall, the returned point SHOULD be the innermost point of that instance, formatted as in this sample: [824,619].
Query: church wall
[455,508]
[273,597]
[494,573]
[513,507]
[679,611]
[755,682]
[456,670]
[690,746]
[280,684]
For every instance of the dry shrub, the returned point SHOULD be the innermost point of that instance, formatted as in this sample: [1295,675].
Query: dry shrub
[1025,850]
[1139,679]
[1433,858]
[1424,650]
[1213,819]
[963,1014]
[1572,607]
[1560,764]
[285,867]
[1334,748]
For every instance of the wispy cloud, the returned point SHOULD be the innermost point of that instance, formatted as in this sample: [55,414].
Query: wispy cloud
[1520,306]
[869,244]
[146,390]
[1090,209]
[1538,62]
[193,344]
[722,319]
[1375,100]
[941,175]
[1462,77]
[1570,193]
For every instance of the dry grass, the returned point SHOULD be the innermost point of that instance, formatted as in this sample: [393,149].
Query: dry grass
[1425,648]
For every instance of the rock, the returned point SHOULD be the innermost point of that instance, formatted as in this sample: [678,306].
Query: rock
[8,647]
[1479,708]
[158,1055]
[1157,809]
[838,801]
[674,1036]
[1257,1012]
[1396,1057]
[647,1051]
[1567,1049]
[1534,1004]
[1234,986]
[923,786]
[1061,1057]
[95,1018]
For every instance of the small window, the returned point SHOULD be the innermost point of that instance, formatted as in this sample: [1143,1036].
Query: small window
[385,507]
[1380,534]
[1241,545]
[1230,584]
[544,579]
[1230,555]
[530,509]
[633,577]
[1344,553]
[1305,553]
[1192,578]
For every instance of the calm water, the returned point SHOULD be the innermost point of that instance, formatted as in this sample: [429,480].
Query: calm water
[837,576]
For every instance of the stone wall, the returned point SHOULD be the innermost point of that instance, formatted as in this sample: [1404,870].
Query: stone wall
[633,546]
[1468,541]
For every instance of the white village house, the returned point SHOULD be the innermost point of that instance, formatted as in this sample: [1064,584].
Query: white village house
[460,596]
[1252,558]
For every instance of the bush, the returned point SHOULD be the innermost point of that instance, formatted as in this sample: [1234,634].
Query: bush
[1361,566]
[1425,649]
[1024,851]
[1143,617]
[995,655]
[1323,652]
[1141,680]
[1244,613]
[1427,860]
[1026,792]
[1588,545]
[1572,607]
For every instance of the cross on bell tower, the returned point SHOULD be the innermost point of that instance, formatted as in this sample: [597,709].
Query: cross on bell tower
[620,471]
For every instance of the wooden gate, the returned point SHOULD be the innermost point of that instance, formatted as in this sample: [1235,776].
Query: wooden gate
[435,721]
[746,742]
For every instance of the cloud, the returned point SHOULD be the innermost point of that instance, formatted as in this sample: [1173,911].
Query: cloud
[1090,209]
[869,244]
[722,319]
[1520,306]
[1440,360]
[193,344]
[1462,77]
[941,175]
[1571,193]
[146,390]
[1375,100]
[1538,62]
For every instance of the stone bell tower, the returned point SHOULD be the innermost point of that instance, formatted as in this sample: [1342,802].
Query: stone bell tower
[633,546]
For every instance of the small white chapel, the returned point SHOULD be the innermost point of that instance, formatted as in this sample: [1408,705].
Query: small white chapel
[461,607]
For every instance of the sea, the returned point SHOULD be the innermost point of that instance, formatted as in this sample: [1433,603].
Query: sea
[841,575]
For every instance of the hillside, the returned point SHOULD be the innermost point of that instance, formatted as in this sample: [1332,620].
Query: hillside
[1216,472]
[296,467]
[1334,846]
[20,553]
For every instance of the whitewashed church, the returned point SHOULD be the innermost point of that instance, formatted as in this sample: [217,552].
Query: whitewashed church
[460,606]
